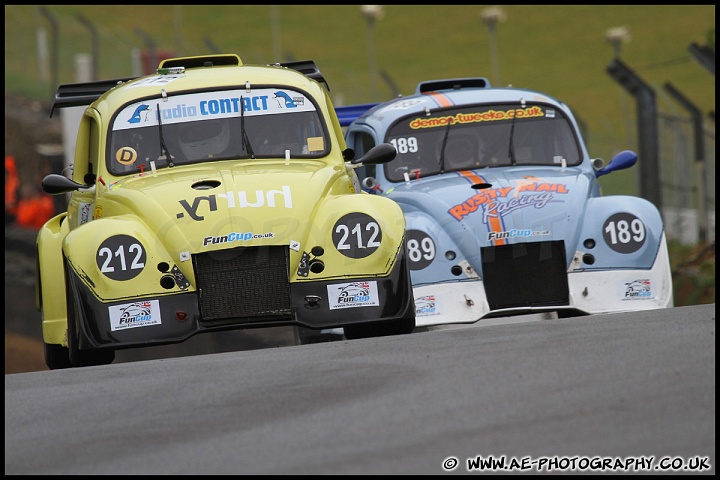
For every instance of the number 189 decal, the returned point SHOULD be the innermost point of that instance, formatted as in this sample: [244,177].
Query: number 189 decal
[624,232]
[356,235]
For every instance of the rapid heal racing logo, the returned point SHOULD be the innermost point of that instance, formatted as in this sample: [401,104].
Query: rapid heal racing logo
[498,202]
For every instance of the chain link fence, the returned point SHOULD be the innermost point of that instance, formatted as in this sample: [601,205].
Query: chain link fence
[687,179]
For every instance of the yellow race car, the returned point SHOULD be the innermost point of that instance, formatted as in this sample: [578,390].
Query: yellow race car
[211,196]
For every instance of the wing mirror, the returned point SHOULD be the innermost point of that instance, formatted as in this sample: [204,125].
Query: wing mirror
[621,161]
[55,184]
[381,153]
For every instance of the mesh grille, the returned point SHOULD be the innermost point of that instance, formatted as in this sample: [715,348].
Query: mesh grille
[243,282]
[525,275]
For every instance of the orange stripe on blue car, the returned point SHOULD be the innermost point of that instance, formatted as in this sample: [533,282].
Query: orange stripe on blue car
[494,222]
[441,99]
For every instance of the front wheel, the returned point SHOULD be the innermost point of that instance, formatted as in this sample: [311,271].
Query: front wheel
[56,356]
[380,329]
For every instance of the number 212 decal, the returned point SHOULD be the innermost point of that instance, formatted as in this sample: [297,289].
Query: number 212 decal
[356,235]
[121,257]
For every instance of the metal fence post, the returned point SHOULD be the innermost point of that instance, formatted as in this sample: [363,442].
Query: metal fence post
[647,119]
[699,148]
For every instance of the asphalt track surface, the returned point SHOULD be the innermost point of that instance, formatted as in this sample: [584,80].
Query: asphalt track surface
[604,391]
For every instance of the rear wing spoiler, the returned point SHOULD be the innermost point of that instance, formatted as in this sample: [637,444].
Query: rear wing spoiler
[80,94]
[452,84]
[350,113]
[77,94]
[307,68]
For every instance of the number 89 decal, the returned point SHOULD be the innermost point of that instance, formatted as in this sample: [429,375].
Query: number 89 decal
[624,232]
[356,235]
[121,257]
[421,249]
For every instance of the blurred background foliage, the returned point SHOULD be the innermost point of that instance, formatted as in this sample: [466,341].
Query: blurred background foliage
[562,51]
[559,50]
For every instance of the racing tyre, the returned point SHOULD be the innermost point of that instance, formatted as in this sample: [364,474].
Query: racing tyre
[56,356]
[380,329]
[81,358]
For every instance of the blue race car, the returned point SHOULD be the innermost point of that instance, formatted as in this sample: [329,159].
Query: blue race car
[503,207]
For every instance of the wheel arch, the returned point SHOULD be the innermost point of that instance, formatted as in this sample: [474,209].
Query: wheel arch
[50,280]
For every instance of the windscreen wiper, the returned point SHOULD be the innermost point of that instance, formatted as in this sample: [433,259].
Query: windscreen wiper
[164,152]
[511,147]
[245,140]
[442,149]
